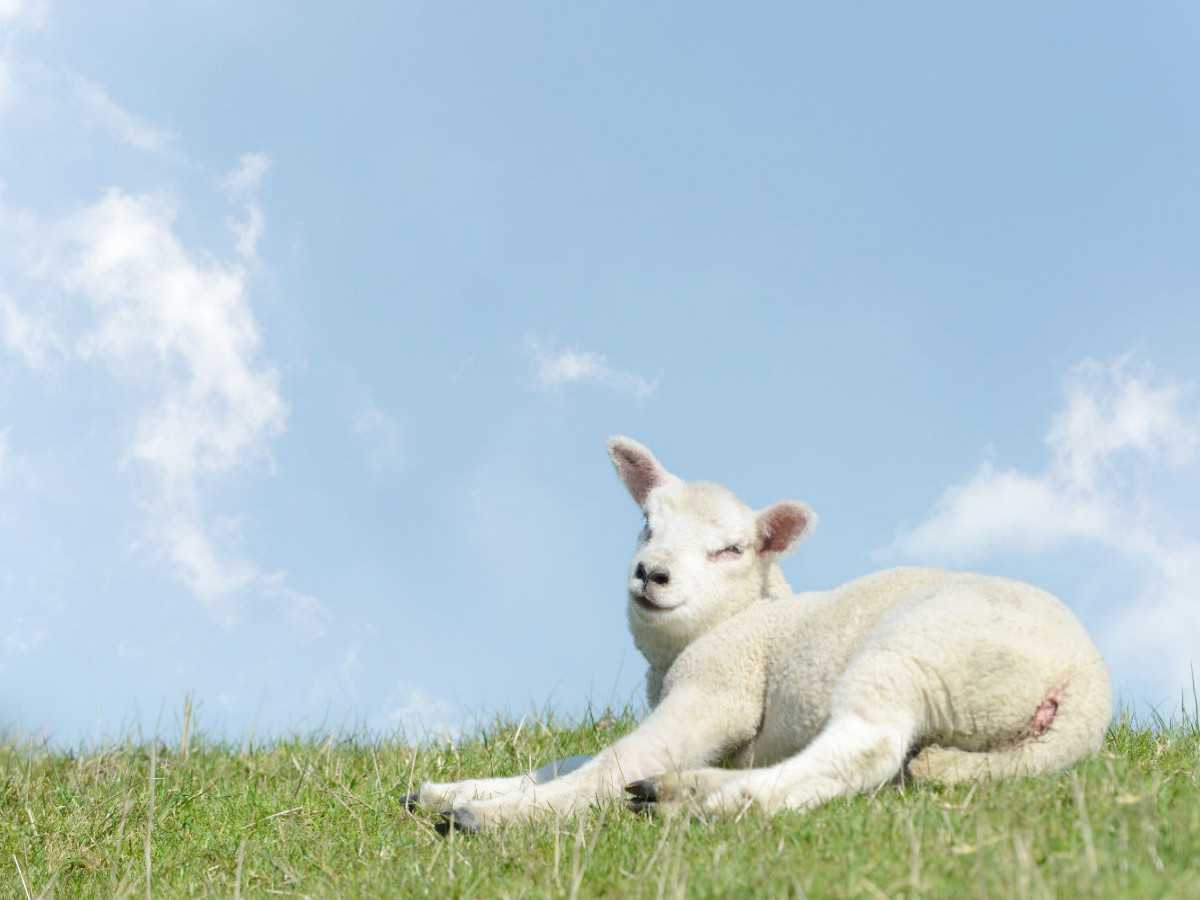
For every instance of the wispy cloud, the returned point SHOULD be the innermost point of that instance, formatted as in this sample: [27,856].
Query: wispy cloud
[555,370]
[18,635]
[80,97]
[242,186]
[1122,428]
[122,124]
[417,715]
[28,337]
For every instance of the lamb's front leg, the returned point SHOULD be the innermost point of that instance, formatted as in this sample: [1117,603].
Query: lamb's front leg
[443,795]
[681,733]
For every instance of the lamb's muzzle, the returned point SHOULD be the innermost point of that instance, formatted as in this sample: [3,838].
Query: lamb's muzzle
[656,576]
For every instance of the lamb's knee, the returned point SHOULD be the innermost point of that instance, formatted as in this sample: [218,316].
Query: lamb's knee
[884,755]
[859,752]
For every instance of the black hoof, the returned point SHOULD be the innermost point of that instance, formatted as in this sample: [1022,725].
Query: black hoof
[411,801]
[460,819]
[644,791]
[641,807]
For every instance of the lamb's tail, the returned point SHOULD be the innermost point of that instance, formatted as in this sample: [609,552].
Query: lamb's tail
[1070,725]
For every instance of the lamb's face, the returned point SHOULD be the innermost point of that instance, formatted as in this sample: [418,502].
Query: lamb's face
[702,556]
[696,563]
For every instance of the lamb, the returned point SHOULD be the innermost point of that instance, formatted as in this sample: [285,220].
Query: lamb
[909,672]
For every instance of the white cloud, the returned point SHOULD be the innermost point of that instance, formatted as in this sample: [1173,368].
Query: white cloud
[1112,417]
[179,326]
[32,11]
[379,436]
[22,15]
[1004,511]
[122,124]
[1113,426]
[186,320]
[172,324]
[1119,433]
[553,371]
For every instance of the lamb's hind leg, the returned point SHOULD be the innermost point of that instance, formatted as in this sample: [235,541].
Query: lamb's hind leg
[1069,724]
[854,753]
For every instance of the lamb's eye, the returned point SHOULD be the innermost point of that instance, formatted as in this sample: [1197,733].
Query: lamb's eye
[730,551]
[646,532]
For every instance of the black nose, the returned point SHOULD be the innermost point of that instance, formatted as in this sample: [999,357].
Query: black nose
[658,576]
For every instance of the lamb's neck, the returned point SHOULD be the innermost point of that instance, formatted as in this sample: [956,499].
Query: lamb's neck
[775,586]
[661,651]
[654,684]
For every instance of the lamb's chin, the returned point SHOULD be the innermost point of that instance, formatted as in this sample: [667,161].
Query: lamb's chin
[645,604]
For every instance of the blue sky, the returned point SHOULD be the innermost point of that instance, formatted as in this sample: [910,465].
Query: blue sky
[314,318]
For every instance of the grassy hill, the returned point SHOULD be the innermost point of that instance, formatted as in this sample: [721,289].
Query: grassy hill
[319,818]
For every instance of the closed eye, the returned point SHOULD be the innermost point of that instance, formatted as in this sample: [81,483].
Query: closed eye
[731,552]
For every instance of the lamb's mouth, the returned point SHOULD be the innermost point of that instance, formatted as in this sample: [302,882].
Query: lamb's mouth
[647,604]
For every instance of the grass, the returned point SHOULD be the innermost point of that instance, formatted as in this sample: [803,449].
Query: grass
[310,817]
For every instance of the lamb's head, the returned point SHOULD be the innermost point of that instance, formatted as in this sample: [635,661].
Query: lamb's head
[702,556]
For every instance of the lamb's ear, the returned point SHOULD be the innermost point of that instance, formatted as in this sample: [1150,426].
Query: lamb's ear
[637,468]
[784,525]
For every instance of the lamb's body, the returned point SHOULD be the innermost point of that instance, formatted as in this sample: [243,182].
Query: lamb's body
[973,658]
[811,695]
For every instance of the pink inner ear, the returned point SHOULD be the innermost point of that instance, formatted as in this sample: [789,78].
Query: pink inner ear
[781,526]
[639,474]
[642,479]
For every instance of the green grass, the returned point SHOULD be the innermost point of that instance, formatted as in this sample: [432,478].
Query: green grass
[319,818]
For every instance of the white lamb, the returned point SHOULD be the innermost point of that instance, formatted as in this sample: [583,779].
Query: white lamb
[920,672]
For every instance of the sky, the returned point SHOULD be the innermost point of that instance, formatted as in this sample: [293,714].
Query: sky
[314,319]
